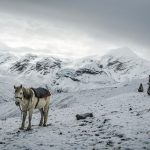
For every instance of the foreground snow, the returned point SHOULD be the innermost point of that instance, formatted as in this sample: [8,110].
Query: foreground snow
[121,121]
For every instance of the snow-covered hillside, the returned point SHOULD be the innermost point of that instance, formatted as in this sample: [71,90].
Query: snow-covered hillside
[120,122]
[106,86]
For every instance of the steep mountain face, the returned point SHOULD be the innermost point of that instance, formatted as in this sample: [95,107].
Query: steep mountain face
[30,63]
[62,75]
[23,64]
[123,65]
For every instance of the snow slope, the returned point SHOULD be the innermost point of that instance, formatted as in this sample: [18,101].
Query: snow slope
[121,121]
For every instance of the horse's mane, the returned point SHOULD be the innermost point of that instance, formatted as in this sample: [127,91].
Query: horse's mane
[27,93]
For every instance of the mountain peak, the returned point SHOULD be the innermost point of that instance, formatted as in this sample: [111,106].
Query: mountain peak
[122,52]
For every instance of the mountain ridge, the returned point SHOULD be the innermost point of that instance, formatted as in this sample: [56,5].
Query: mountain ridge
[63,75]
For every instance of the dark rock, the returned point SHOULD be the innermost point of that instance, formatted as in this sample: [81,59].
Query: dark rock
[82,124]
[90,122]
[2,142]
[106,137]
[114,112]
[130,109]
[20,66]
[100,141]
[47,64]
[100,126]
[18,132]
[125,139]
[101,66]
[84,131]
[141,89]
[86,71]
[119,135]
[138,114]
[96,134]
[84,116]
[59,90]
[105,120]
[119,66]
[109,143]
[86,121]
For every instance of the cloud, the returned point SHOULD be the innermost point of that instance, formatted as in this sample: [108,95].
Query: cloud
[76,27]
[52,38]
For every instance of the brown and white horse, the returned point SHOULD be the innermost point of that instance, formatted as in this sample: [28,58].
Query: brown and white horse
[27,101]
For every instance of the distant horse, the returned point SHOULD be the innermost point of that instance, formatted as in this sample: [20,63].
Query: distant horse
[28,99]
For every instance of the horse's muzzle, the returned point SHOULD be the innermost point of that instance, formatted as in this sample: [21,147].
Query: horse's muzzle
[17,103]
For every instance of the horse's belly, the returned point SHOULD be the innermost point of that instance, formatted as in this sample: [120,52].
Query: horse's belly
[41,104]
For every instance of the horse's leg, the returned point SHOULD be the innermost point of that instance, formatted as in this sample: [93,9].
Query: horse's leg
[30,117]
[23,120]
[42,115]
[46,108]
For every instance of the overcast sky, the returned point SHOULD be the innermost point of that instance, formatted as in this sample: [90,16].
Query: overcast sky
[75,27]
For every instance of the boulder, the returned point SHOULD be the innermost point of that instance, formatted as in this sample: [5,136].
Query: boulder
[84,116]
[141,89]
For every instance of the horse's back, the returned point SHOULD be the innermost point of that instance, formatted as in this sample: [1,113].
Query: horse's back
[41,97]
[41,92]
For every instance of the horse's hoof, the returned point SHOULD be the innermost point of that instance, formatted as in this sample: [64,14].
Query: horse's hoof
[28,129]
[44,125]
[40,124]
[21,128]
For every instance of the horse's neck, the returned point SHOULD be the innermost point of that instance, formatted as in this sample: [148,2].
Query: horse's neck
[28,93]
[32,91]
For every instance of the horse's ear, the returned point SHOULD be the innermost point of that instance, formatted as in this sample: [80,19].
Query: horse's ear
[21,86]
[14,87]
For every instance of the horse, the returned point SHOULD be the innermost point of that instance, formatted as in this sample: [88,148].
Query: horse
[27,100]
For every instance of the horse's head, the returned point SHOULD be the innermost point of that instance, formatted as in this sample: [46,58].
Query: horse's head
[18,94]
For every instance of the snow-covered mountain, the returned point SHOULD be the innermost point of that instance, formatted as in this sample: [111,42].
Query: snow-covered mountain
[66,75]
[71,75]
